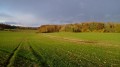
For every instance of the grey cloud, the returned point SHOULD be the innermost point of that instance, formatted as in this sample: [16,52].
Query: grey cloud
[61,11]
[5,15]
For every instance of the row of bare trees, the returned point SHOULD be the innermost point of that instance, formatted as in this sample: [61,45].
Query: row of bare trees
[81,27]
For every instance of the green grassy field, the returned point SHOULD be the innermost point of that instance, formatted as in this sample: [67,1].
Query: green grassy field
[29,49]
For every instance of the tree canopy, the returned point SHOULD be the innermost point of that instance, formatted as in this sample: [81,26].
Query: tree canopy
[81,27]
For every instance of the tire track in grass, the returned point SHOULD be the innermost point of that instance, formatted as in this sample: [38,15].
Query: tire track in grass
[18,55]
[71,39]
[24,57]
[40,59]
[11,57]
[78,41]
[3,56]
[4,50]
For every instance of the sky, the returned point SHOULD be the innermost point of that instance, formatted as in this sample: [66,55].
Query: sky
[39,12]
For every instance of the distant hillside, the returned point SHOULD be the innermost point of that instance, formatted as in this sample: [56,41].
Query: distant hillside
[81,27]
[9,27]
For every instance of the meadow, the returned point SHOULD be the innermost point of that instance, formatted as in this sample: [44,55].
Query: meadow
[63,49]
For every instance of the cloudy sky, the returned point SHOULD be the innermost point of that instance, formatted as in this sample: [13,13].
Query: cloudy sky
[38,12]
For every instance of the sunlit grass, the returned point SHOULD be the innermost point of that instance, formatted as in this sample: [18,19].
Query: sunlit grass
[38,49]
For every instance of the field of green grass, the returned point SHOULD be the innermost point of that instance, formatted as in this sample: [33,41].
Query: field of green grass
[30,49]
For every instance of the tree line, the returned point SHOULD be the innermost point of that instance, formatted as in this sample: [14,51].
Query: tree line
[9,27]
[81,27]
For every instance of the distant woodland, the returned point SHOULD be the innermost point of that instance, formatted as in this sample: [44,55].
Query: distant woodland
[82,27]
[6,27]
[76,27]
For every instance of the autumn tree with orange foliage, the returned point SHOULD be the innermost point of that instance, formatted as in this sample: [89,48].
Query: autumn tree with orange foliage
[81,27]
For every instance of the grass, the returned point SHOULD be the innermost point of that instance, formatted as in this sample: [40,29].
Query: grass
[90,36]
[59,49]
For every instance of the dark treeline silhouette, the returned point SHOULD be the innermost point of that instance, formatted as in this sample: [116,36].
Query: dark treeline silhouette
[6,26]
[11,28]
[81,27]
